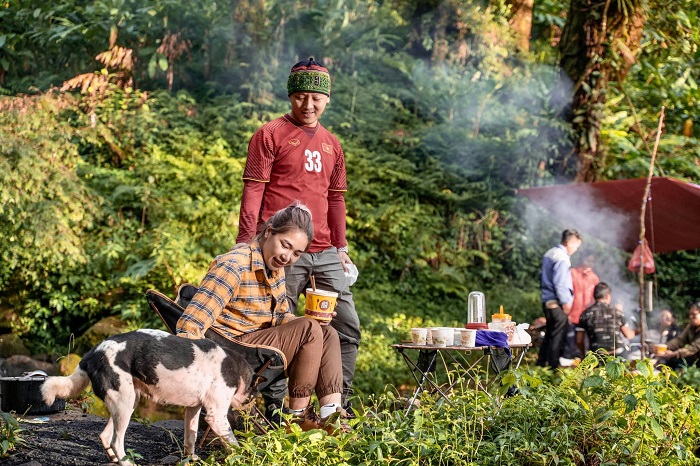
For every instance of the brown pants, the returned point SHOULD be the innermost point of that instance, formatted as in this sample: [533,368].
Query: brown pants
[312,352]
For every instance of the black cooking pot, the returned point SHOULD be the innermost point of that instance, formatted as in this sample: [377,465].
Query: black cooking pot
[23,395]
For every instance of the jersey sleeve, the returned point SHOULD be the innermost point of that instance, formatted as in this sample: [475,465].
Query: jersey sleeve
[251,201]
[338,176]
[336,218]
[261,155]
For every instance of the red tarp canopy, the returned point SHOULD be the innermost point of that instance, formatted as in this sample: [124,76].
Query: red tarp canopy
[672,213]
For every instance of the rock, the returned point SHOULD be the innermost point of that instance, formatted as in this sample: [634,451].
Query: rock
[67,365]
[102,330]
[18,364]
[42,357]
[11,344]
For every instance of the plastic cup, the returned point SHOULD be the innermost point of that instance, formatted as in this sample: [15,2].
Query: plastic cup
[468,337]
[440,336]
[509,329]
[506,327]
[419,336]
[320,304]
[458,336]
[450,332]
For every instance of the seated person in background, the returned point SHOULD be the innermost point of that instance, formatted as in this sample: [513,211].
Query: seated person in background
[668,328]
[604,325]
[243,297]
[685,348]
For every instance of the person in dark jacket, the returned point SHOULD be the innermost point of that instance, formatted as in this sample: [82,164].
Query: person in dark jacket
[604,324]
[685,348]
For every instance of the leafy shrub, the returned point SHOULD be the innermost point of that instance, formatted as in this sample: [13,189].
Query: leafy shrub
[602,412]
[10,434]
[689,376]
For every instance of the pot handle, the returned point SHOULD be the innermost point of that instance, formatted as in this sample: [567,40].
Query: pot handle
[35,373]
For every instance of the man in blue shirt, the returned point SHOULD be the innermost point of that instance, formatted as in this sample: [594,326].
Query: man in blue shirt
[557,296]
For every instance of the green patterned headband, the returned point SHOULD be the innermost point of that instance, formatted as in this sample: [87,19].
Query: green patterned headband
[309,76]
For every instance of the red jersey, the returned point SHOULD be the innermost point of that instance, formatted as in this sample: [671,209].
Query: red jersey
[583,292]
[287,162]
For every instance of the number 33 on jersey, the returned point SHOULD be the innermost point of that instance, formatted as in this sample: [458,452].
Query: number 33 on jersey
[314,158]
[314,161]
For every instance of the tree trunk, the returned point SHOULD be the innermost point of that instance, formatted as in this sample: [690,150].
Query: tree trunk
[422,15]
[521,22]
[599,44]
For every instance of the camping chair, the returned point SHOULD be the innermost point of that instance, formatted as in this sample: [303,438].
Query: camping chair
[268,363]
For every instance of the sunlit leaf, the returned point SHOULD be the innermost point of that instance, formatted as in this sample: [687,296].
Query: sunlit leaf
[630,402]
[657,429]
[614,369]
[593,381]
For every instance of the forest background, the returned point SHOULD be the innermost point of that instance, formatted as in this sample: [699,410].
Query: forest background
[124,130]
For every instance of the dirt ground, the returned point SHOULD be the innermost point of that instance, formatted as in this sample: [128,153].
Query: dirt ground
[71,438]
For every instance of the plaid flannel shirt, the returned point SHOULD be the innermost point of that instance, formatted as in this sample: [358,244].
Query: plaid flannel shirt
[237,297]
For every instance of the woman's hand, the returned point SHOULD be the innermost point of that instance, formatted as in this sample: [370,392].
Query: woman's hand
[321,322]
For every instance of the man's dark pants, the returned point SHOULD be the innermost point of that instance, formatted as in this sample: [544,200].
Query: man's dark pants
[570,349]
[554,338]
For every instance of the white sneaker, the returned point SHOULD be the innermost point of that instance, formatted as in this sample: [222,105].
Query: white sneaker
[563,362]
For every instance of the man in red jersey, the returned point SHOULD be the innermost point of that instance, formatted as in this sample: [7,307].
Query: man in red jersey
[584,280]
[295,158]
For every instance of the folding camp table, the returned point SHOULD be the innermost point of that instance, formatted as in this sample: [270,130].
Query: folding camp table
[424,367]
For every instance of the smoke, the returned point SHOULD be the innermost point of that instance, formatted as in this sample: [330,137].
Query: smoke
[602,229]
[505,127]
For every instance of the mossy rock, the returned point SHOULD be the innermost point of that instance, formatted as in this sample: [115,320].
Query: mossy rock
[67,365]
[11,344]
[99,332]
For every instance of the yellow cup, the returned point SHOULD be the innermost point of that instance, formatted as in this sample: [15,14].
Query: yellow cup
[320,304]
[660,348]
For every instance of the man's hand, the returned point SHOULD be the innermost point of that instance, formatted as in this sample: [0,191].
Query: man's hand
[668,354]
[344,260]
[566,308]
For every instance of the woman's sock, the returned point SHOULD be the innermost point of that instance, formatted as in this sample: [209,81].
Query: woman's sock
[295,412]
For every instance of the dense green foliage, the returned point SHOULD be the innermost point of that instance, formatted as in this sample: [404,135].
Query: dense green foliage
[133,181]
[603,412]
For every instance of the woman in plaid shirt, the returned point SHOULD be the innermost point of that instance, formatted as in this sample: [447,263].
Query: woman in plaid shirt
[243,298]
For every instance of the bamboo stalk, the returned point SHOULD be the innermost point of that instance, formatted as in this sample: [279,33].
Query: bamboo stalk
[642,233]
